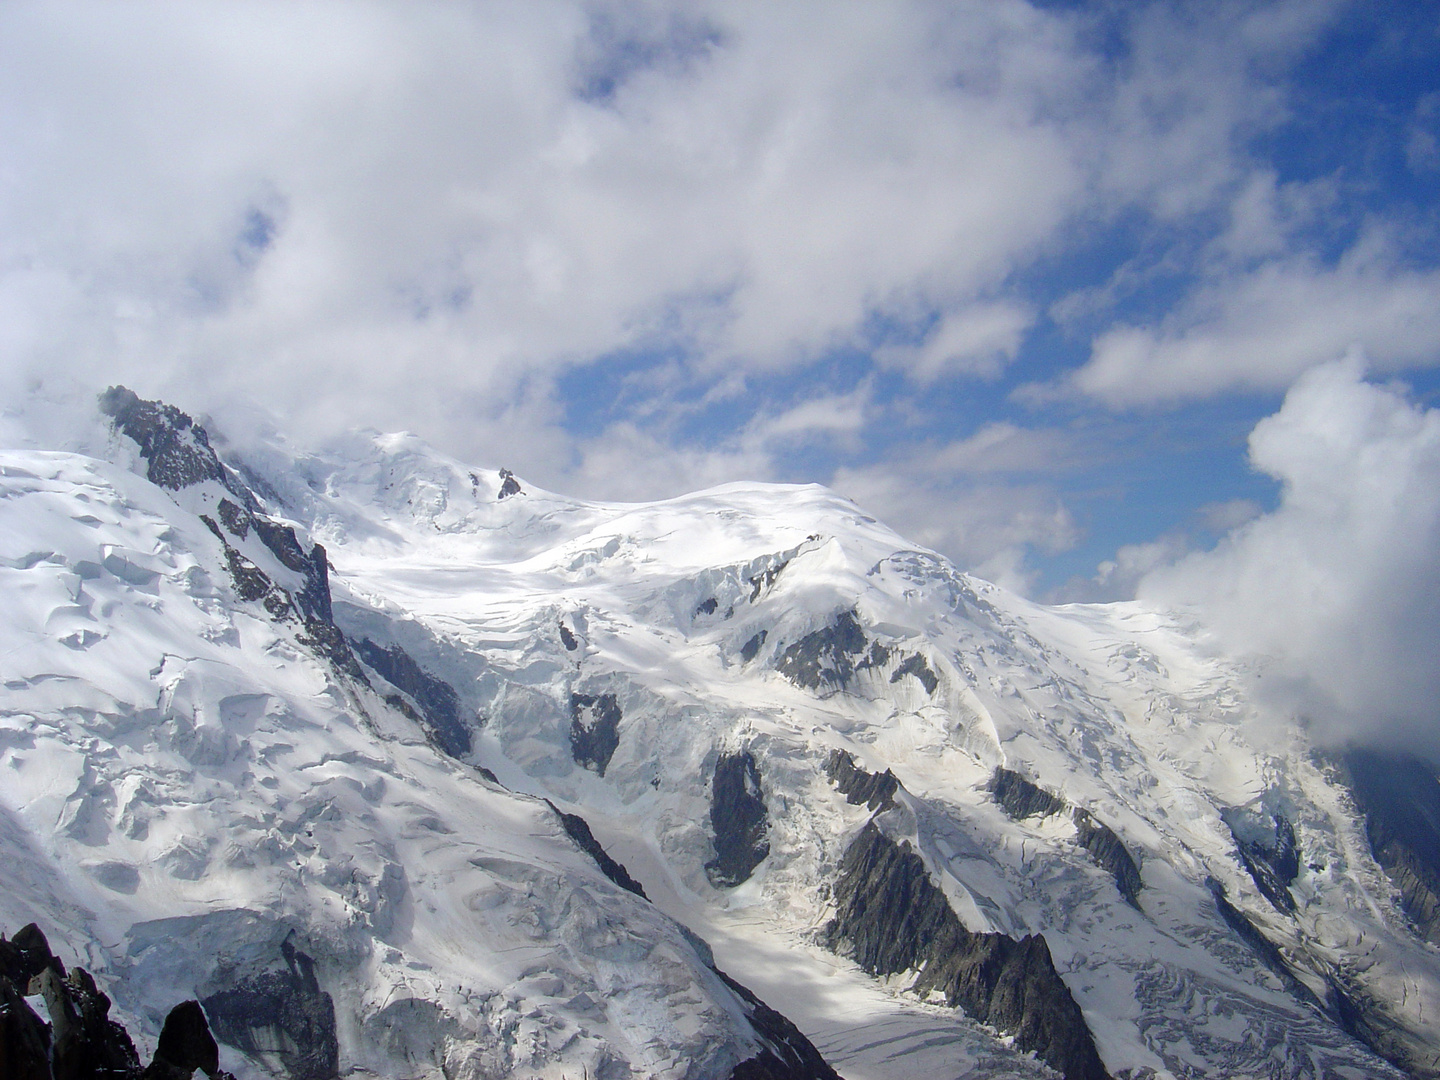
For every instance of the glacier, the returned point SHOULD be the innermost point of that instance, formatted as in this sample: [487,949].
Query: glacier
[526,785]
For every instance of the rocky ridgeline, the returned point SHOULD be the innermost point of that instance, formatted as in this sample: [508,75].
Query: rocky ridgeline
[80,1041]
[890,918]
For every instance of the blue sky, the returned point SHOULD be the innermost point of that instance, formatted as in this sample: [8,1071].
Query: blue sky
[1019,278]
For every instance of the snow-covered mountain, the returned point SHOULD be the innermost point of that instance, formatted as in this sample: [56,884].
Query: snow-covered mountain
[406,768]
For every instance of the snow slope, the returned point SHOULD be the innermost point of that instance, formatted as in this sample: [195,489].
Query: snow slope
[174,756]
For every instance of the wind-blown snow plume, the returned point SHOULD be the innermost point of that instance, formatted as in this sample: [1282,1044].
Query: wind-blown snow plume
[1338,587]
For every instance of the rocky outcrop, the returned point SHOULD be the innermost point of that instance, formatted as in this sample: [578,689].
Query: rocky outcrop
[24,1037]
[825,659]
[890,918]
[81,1042]
[1110,855]
[751,648]
[178,454]
[1400,798]
[788,1054]
[280,1014]
[738,820]
[437,701]
[508,485]
[916,665]
[1268,852]
[185,1045]
[578,829]
[875,790]
[1020,799]
[594,729]
[176,450]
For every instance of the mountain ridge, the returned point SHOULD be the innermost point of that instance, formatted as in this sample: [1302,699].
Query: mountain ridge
[770,627]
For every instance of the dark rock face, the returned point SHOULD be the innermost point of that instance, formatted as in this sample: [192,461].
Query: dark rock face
[707,607]
[82,1042]
[1020,799]
[826,658]
[177,453]
[86,1042]
[751,648]
[737,816]
[875,790]
[1400,798]
[281,1012]
[185,1045]
[594,729]
[788,1054]
[24,1037]
[891,918]
[508,484]
[176,449]
[1268,852]
[915,665]
[568,639]
[436,699]
[578,829]
[1110,855]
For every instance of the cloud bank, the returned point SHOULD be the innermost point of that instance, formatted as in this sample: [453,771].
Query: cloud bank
[1338,588]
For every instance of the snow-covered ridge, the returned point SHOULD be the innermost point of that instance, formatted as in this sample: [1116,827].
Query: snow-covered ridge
[190,775]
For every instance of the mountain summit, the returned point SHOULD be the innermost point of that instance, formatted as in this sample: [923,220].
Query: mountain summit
[395,772]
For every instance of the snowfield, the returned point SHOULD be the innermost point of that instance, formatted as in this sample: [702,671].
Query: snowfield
[190,781]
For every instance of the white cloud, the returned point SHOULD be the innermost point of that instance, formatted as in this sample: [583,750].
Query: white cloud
[1339,587]
[448,218]
[979,339]
[1260,328]
[989,528]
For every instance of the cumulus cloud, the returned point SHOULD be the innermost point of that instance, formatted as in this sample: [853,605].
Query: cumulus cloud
[314,203]
[1258,329]
[1338,588]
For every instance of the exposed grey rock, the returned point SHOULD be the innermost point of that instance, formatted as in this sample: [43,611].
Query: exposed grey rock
[825,659]
[280,1012]
[891,918]
[1268,852]
[788,1054]
[751,648]
[1400,798]
[176,450]
[568,639]
[737,818]
[578,829]
[436,699]
[707,607]
[875,790]
[916,665]
[594,729]
[1020,799]
[508,484]
[1110,855]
